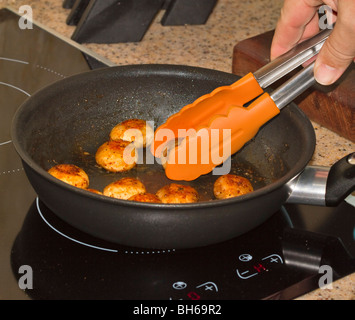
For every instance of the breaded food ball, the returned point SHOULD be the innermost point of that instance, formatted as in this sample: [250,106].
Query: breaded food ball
[230,185]
[70,174]
[134,130]
[116,156]
[94,191]
[177,193]
[124,188]
[145,197]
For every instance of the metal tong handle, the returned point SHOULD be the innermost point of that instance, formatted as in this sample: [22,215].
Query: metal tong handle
[293,87]
[290,60]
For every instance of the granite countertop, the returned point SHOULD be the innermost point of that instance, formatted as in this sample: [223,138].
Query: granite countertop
[210,46]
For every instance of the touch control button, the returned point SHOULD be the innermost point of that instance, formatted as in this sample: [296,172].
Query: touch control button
[258,267]
[179,285]
[183,290]
[273,258]
[209,286]
[245,257]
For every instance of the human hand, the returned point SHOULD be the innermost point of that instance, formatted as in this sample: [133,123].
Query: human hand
[299,20]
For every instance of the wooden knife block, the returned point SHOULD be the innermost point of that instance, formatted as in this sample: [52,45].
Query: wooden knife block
[332,107]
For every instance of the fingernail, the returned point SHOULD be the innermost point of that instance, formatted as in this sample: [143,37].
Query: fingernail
[325,74]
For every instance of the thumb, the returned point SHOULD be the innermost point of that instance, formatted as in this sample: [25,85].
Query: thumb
[337,53]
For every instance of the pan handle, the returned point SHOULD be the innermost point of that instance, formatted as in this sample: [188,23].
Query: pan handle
[341,180]
[324,186]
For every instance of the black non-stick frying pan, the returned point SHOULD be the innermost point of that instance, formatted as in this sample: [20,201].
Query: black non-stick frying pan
[67,121]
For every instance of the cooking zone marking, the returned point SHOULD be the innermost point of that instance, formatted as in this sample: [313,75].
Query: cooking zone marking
[11,171]
[51,71]
[96,247]
[64,235]
[6,142]
[12,86]
[14,60]
[21,90]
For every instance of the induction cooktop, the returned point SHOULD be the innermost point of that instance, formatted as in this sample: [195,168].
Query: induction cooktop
[41,257]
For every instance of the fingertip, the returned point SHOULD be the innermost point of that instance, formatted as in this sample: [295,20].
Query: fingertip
[325,74]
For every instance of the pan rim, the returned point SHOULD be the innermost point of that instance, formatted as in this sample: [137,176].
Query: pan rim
[161,69]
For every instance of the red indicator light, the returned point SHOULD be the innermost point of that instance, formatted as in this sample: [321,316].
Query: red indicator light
[259,268]
[193,296]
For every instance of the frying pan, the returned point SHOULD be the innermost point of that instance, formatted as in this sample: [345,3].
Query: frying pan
[67,121]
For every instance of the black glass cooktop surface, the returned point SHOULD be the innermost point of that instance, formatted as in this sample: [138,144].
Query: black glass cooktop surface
[42,257]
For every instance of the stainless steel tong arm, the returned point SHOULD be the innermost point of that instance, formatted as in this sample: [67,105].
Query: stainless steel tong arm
[292,59]
[293,87]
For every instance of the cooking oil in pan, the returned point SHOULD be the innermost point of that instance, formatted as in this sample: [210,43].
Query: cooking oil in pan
[152,174]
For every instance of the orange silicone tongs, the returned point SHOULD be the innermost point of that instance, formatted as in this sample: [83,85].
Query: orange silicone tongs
[204,134]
